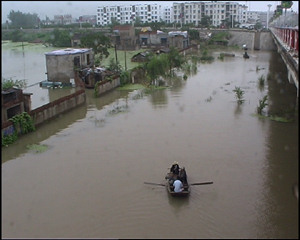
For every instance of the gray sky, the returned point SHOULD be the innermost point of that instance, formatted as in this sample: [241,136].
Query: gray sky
[79,8]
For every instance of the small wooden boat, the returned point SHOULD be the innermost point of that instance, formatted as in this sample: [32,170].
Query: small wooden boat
[170,178]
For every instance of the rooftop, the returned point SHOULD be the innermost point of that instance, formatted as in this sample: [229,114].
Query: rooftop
[68,51]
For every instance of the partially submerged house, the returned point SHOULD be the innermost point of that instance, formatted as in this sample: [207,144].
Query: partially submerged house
[178,39]
[61,64]
[124,37]
[144,56]
[153,38]
[140,57]
[90,76]
[14,102]
[76,40]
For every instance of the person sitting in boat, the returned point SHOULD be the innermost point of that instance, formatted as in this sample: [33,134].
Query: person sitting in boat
[178,186]
[246,55]
[175,168]
[182,175]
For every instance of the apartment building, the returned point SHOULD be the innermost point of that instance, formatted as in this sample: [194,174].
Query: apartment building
[144,13]
[182,13]
[167,14]
[193,12]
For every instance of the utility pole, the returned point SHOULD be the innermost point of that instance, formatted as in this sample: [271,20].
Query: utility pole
[125,41]
[116,54]
[269,5]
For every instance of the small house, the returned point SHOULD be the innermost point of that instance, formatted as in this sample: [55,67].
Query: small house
[61,64]
[90,76]
[14,102]
[178,39]
[140,57]
[153,38]
[124,37]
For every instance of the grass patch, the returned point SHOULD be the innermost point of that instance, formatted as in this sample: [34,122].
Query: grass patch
[280,119]
[130,86]
[121,58]
[37,148]
[274,118]
[152,88]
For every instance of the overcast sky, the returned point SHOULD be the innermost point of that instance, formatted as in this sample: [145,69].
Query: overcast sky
[79,8]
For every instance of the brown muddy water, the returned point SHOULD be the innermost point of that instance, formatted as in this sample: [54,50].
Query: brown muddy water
[89,183]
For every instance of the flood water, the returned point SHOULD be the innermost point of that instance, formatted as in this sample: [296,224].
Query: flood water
[89,183]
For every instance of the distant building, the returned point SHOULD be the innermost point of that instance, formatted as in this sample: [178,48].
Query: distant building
[150,38]
[145,13]
[63,19]
[178,39]
[182,13]
[167,14]
[124,37]
[92,19]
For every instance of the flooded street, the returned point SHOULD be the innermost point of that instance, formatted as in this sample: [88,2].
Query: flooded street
[89,181]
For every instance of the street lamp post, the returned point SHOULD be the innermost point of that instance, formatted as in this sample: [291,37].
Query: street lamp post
[269,5]
[232,19]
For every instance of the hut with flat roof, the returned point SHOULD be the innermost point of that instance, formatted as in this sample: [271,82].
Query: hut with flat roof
[61,64]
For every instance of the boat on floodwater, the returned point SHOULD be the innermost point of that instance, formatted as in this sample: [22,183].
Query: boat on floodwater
[171,177]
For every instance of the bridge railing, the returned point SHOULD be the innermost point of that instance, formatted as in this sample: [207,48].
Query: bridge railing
[289,36]
[286,28]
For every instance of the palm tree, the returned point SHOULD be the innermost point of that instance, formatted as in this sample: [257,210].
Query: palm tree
[286,5]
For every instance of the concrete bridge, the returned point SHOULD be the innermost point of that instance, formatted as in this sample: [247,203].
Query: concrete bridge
[287,42]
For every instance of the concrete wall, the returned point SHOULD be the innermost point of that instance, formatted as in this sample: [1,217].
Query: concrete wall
[240,38]
[267,41]
[50,110]
[108,85]
[254,40]
[53,109]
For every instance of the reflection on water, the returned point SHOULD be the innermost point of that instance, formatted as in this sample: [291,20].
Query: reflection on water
[89,183]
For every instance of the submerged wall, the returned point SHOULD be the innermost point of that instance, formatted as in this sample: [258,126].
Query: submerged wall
[105,86]
[50,110]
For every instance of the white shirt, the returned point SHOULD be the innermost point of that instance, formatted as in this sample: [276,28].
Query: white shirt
[178,186]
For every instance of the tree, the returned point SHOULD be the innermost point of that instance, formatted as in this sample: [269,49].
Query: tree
[60,38]
[175,60]
[194,34]
[156,67]
[10,83]
[114,22]
[17,36]
[114,66]
[22,20]
[138,21]
[98,42]
[206,21]
[286,5]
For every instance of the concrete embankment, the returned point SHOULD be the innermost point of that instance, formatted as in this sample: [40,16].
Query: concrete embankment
[254,40]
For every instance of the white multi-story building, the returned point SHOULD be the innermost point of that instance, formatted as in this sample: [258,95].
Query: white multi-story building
[184,13]
[128,14]
[167,14]
[193,12]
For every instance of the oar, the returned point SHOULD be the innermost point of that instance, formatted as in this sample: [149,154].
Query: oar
[159,184]
[203,183]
